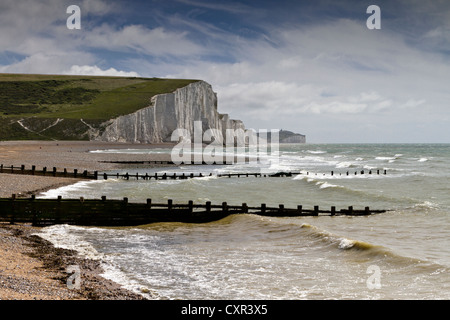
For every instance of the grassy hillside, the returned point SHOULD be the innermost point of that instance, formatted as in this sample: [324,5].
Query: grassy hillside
[52,106]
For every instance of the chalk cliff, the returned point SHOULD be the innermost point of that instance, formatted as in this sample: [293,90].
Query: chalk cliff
[168,112]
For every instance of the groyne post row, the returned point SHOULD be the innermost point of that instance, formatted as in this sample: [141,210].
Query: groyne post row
[76,174]
[103,212]
[51,173]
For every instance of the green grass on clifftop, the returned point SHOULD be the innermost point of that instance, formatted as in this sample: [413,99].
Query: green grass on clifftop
[52,106]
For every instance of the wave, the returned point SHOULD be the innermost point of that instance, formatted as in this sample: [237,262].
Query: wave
[67,191]
[325,185]
[346,164]
[390,159]
[72,238]
[354,246]
[59,236]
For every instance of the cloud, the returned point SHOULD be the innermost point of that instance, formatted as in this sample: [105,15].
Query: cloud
[312,67]
[96,71]
[46,63]
[142,40]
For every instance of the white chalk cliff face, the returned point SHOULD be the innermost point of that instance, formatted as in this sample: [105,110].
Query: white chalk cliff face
[168,112]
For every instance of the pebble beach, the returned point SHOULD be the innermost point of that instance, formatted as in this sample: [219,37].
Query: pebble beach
[31,268]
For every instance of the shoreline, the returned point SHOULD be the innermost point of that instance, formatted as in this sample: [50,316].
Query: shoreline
[31,268]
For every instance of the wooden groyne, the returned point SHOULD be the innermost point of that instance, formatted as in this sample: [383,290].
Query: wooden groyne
[165,162]
[95,175]
[106,212]
[53,172]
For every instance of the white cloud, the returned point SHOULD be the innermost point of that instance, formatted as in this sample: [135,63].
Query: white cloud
[96,71]
[46,63]
[310,76]
[140,39]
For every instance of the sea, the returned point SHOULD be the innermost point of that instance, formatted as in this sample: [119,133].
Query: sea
[403,253]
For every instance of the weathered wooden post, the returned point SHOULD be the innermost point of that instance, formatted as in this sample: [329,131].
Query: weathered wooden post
[33,209]
[208,206]
[75,173]
[263,208]
[191,206]
[224,207]
[13,197]
[105,176]
[54,171]
[244,208]
[350,210]
[169,204]
[22,168]
[299,209]
[316,210]
[125,204]
[44,170]
[281,208]
[333,210]
[1,168]
[65,172]
[149,204]
[367,211]
[58,210]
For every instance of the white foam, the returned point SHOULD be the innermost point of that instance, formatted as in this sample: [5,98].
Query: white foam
[344,165]
[385,158]
[68,190]
[422,160]
[324,185]
[59,236]
[346,243]
[62,237]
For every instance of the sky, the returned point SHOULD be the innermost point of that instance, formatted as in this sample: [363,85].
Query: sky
[311,67]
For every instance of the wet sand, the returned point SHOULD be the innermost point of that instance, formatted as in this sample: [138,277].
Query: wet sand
[30,267]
